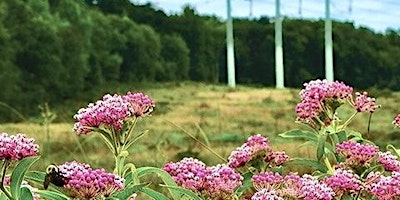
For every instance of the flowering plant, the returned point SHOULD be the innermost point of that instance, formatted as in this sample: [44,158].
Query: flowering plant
[346,166]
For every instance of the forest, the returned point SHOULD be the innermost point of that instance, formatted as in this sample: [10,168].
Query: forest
[58,51]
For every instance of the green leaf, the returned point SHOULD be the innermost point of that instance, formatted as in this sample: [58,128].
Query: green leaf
[354,134]
[35,176]
[342,136]
[46,194]
[3,196]
[321,146]
[246,183]
[192,195]
[18,174]
[153,194]
[167,179]
[128,191]
[26,194]
[299,134]
[308,162]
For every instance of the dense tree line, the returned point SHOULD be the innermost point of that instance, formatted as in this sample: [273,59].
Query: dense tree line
[53,51]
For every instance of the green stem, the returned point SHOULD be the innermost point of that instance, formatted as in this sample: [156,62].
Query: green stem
[348,121]
[329,166]
[4,167]
[201,143]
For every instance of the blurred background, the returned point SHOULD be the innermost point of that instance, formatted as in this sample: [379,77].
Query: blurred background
[57,56]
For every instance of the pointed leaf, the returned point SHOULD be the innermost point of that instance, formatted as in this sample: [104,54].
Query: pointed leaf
[342,136]
[321,147]
[127,192]
[26,194]
[18,174]
[154,194]
[46,194]
[299,134]
[188,193]
[167,179]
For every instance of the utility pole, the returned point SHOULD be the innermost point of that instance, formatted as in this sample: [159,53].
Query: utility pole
[329,75]
[230,53]
[278,47]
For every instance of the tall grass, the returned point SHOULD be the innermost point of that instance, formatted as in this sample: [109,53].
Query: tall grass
[225,116]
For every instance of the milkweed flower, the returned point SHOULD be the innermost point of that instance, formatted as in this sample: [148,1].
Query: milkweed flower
[188,173]
[276,158]
[256,146]
[81,181]
[396,121]
[221,182]
[112,112]
[319,97]
[17,147]
[384,187]
[215,182]
[356,154]
[344,182]
[267,180]
[311,188]
[364,103]
[389,161]
[266,194]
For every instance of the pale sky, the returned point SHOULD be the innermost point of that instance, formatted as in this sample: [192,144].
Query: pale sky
[377,15]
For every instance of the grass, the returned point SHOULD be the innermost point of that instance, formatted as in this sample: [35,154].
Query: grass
[224,115]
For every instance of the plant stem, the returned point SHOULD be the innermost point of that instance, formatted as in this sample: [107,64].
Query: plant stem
[329,166]
[4,167]
[348,121]
[197,140]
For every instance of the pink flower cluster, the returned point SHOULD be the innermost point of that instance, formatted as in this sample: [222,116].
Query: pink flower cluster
[384,187]
[344,182]
[267,180]
[17,147]
[389,161]
[257,146]
[291,186]
[364,103]
[356,154]
[396,121]
[317,94]
[266,194]
[84,182]
[216,182]
[112,111]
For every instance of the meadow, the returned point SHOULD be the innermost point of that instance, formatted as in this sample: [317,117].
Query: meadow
[218,116]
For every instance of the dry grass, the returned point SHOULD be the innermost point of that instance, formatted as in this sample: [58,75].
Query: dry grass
[227,117]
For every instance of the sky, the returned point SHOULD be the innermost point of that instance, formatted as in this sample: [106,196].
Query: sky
[377,15]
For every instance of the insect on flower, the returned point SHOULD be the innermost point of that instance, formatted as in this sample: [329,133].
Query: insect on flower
[55,176]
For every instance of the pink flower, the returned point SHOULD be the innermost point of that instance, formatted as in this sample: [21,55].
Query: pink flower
[112,112]
[256,146]
[17,147]
[364,103]
[319,95]
[188,173]
[266,194]
[344,182]
[276,158]
[396,121]
[385,187]
[389,161]
[216,182]
[83,182]
[267,180]
[356,154]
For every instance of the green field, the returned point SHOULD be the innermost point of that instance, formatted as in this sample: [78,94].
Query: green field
[217,115]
